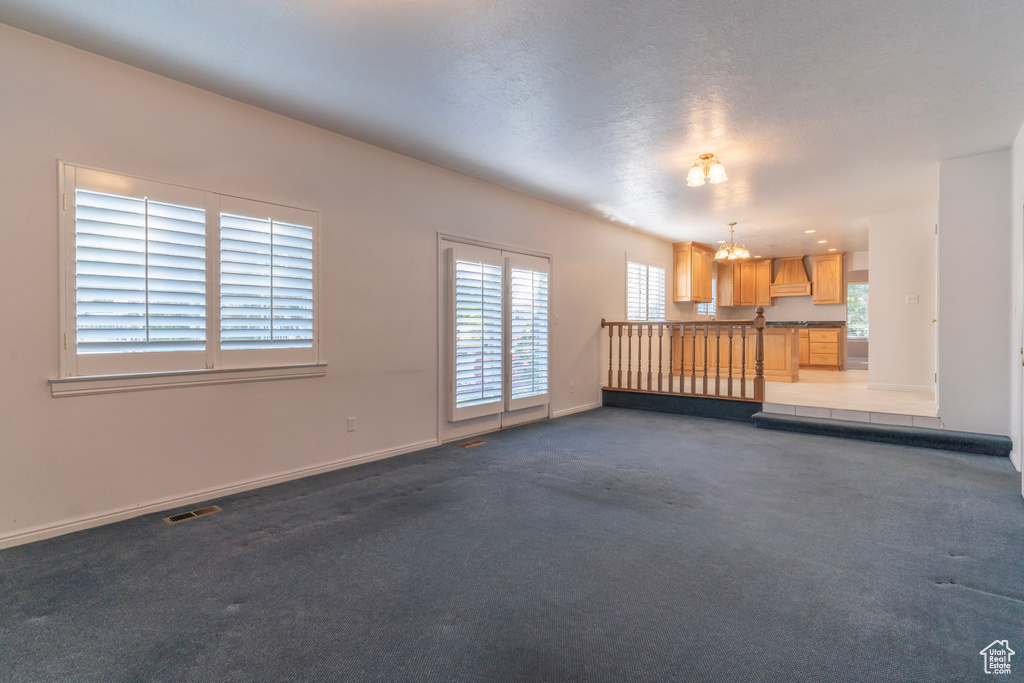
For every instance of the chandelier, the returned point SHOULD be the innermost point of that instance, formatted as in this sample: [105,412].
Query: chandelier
[707,167]
[731,251]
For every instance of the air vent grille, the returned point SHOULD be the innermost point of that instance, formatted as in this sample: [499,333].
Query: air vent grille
[192,514]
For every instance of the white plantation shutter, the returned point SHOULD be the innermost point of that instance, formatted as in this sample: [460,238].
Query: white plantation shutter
[528,331]
[140,276]
[476,277]
[266,283]
[636,291]
[245,282]
[655,293]
[137,287]
[645,291]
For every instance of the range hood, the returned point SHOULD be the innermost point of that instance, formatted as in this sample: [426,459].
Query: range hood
[792,279]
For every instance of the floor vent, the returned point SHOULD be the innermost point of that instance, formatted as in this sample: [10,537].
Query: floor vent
[192,514]
[470,444]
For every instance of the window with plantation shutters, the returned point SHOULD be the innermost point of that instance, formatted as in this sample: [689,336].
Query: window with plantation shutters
[477,307]
[163,278]
[645,291]
[140,275]
[528,331]
[266,283]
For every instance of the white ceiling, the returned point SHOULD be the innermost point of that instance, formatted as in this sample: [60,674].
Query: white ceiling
[823,113]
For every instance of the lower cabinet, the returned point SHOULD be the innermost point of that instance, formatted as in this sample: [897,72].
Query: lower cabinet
[781,363]
[823,348]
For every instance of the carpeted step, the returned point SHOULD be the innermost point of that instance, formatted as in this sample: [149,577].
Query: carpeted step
[922,437]
[697,406]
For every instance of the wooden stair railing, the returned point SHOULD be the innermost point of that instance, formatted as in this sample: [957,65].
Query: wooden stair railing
[711,355]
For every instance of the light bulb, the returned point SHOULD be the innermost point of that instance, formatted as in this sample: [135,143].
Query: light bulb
[695,178]
[716,174]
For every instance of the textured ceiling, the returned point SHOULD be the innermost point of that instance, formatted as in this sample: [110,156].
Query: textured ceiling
[822,113]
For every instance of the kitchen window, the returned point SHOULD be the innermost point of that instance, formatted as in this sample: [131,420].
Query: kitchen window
[857,311]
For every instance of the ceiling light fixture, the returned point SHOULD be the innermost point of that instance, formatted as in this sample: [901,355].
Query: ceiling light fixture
[707,167]
[808,231]
[731,251]
[822,241]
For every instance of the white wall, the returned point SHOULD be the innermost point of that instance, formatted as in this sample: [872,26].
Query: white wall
[857,260]
[1017,299]
[72,462]
[902,263]
[974,302]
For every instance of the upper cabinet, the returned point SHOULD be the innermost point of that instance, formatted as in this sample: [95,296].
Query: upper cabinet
[827,276]
[692,263]
[745,282]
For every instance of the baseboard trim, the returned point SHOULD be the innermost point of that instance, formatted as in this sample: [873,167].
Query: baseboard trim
[576,409]
[51,530]
[914,388]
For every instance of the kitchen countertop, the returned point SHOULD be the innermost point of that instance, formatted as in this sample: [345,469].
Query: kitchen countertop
[806,323]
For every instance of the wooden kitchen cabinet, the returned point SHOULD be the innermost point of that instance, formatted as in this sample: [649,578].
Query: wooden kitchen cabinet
[692,262]
[745,282]
[825,348]
[827,279]
[781,362]
[762,288]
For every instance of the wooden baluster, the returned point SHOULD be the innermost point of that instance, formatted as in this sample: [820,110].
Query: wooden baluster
[629,356]
[743,359]
[705,388]
[682,357]
[759,356]
[671,355]
[718,360]
[730,360]
[650,356]
[610,345]
[693,360]
[639,357]
[661,348]
[677,330]
[618,385]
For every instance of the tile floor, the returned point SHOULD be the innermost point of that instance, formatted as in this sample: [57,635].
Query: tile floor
[845,396]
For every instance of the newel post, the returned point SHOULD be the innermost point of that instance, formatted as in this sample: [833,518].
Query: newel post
[759,356]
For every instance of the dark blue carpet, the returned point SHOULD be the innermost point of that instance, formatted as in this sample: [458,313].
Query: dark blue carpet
[614,545]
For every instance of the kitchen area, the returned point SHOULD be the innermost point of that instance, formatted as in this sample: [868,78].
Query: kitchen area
[812,366]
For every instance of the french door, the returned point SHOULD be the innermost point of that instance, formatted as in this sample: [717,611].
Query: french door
[494,338]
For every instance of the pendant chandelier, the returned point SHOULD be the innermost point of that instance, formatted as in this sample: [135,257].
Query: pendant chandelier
[732,250]
[706,167]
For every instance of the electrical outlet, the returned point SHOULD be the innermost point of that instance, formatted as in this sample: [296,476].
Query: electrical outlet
[572,387]
[912,298]
[351,424]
